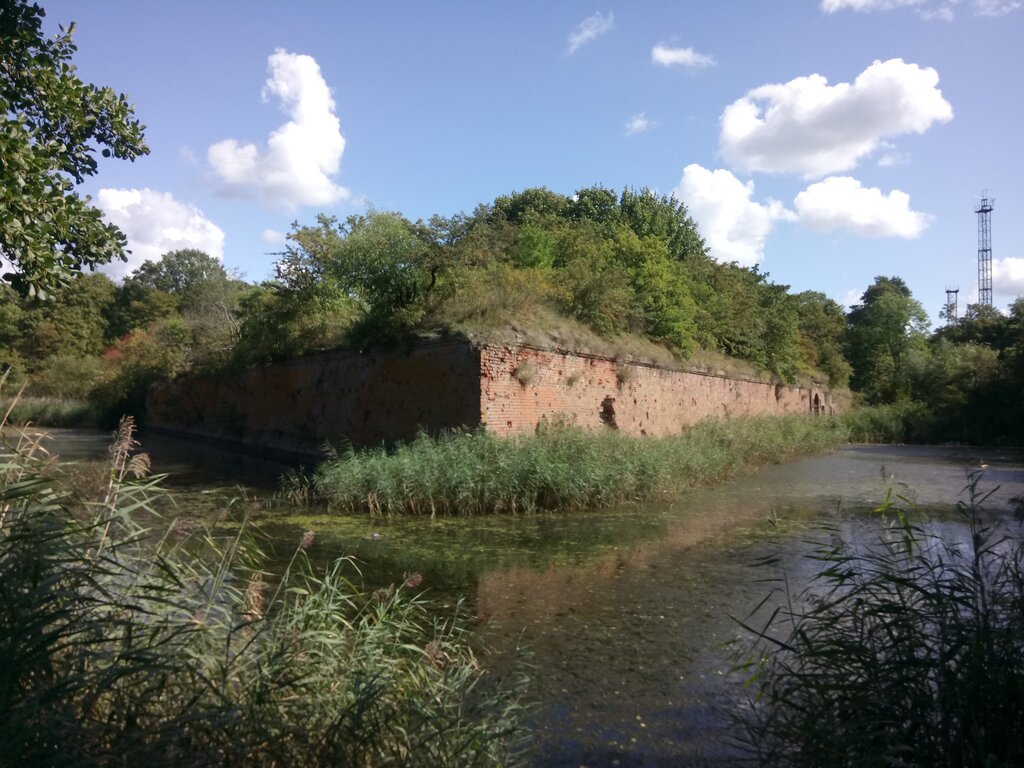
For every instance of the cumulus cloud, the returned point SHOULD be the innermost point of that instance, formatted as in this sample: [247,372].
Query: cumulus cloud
[734,226]
[155,223]
[1008,276]
[809,127]
[272,236]
[840,202]
[590,29]
[685,57]
[638,124]
[299,159]
[831,6]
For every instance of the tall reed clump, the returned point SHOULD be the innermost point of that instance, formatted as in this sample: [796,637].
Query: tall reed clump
[558,468]
[120,648]
[906,653]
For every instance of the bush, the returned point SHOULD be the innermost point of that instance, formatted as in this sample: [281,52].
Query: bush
[907,653]
[121,649]
[906,422]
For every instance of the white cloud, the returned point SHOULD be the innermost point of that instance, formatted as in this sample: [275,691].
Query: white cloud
[942,11]
[831,6]
[938,13]
[840,202]
[638,124]
[809,127]
[155,223]
[300,157]
[686,57]
[272,236]
[995,7]
[852,298]
[590,29]
[891,156]
[734,226]
[1008,276]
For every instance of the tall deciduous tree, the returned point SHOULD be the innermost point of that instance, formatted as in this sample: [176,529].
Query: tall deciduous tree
[51,125]
[881,331]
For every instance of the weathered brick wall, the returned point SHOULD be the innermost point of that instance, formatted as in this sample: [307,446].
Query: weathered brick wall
[522,387]
[298,404]
[367,399]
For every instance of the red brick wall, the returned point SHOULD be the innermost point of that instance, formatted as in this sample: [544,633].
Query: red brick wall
[384,396]
[298,404]
[521,387]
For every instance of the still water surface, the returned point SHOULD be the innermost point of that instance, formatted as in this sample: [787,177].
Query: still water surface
[623,613]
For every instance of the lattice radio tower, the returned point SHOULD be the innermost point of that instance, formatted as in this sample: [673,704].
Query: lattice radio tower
[951,305]
[984,211]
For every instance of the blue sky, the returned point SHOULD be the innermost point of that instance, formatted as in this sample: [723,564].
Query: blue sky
[829,141]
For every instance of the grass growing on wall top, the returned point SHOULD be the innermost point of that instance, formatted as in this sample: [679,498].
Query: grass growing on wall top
[559,468]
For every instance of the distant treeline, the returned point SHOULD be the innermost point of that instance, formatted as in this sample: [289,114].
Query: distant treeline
[597,271]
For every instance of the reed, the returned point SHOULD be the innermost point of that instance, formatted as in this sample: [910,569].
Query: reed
[558,468]
[51,412]
[120,647]
[906,653]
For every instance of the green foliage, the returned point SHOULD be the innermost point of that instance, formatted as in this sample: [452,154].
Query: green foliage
[68,376]
[560,468]
[136,361]
[881,332]
[892,423]
[651,215]
[74,324]
[909,652]
[51,124]
[121,646]
[822,327]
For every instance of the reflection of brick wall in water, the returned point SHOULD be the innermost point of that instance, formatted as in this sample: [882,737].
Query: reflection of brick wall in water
[369,398]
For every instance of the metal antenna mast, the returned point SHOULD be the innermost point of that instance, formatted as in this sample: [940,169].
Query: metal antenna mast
[951,308]
[984,211]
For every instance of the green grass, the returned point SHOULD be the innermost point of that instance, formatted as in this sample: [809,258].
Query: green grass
[558,468]
[908,652]
[51,412]
[123,647]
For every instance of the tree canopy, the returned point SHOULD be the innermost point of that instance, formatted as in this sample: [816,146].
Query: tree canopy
[51,126]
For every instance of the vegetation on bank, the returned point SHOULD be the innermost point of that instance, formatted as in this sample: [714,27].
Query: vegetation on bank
[122,647]
[909,652]
[559,468]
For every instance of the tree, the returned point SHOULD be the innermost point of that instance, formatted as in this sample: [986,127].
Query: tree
[822,327]
[207,297]
[188,274]
[880,332]
[51,124]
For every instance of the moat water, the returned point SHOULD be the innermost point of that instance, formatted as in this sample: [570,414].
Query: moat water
[623,615]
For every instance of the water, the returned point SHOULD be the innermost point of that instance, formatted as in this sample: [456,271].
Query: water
[622,613]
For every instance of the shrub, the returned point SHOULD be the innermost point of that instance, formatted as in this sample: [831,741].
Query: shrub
[121,649]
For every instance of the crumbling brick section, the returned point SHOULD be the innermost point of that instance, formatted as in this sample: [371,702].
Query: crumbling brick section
[597,392]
